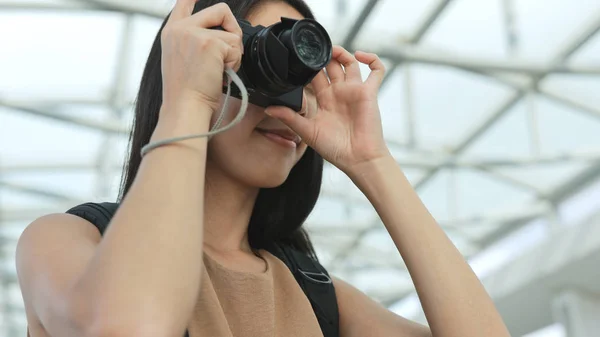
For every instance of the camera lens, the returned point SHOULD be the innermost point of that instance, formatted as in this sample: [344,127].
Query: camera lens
[310,46]
[285,56]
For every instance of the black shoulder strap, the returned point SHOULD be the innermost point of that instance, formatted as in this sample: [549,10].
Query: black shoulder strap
[310,274]
[316,283]
[98,214]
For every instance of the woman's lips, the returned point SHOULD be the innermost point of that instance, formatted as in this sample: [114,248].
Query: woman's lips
[283,137]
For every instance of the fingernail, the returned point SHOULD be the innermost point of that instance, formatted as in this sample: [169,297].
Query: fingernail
[268,112]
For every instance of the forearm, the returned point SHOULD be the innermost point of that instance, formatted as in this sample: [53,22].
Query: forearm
[147,268]
[453,299]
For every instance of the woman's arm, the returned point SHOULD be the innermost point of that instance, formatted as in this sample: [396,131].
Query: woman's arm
[453,299]
[346,130]
[143,277]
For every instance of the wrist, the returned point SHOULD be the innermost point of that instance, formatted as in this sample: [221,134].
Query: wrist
[368,169]
[187,116]
[188,99]
[183,119]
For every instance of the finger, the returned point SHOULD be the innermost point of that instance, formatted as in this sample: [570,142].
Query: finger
[301,125]
[376,65]
[232,56]
[335,71]
[182,9]
[219,15]
[226,44]
[320,82]
[231,39]
[350,64]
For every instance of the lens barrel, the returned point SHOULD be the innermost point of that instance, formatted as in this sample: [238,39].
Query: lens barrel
[286,55]
[279,60]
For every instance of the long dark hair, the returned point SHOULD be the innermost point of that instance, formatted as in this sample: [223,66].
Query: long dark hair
[279,212]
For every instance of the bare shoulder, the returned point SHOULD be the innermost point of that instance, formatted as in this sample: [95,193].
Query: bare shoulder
[51,234]
[362,316]
[51,252]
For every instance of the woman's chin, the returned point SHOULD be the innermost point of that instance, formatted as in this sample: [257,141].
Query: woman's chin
[273,181]
[267,179]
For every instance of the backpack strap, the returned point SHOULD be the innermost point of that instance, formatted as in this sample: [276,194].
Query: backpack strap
[316,283]
[310,274]
[97,214]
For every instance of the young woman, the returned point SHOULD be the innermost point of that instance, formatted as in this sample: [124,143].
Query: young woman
[185,248]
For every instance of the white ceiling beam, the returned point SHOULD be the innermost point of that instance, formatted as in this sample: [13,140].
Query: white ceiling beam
[431,17]
[418,54]
[435,11]
[591,155]
[44,5]
[50,167]
[551,94]
[487,219]
[109,126]
[358,23]
[36,191]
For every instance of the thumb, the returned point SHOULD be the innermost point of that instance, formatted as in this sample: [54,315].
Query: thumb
[299,124]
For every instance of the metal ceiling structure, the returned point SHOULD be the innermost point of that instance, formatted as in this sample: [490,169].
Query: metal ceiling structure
[495,120]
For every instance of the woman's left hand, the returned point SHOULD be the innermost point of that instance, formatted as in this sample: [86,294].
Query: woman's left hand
[346,129]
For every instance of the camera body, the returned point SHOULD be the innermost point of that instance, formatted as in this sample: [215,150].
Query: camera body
[279,60]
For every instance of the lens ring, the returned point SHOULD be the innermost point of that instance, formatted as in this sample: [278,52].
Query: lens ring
[311,44]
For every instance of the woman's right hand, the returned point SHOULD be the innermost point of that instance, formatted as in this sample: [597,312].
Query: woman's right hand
[194,56]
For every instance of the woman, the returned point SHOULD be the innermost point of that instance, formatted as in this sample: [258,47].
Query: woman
[225,199]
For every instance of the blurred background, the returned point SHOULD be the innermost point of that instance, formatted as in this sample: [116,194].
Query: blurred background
[491,107]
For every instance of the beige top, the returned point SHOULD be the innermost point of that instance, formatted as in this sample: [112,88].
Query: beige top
[247,304]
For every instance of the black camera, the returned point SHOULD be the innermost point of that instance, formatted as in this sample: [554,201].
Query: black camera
[279,60]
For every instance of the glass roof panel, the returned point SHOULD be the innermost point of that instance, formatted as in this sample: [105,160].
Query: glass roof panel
[77,185]
[563,129]
[546,177]
[448,101]
[471,27]
[393,116]
[479,193]
[413,175]
[143,32]
[406,16]
[580,88]
[581,205]
[545,26]
[496,255]
[588,53]
[336,16]
[79,53]
[97,113]
[435,196]
[29,139]
[34,3]
[508,137]
[11,230]
[17,199]
[378,240]
[377,282]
